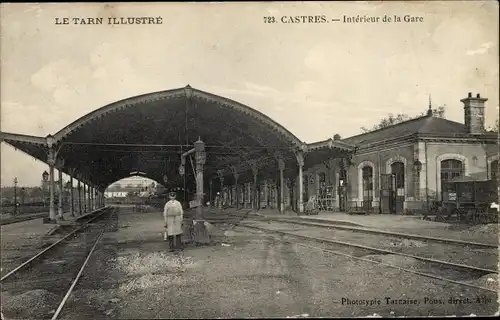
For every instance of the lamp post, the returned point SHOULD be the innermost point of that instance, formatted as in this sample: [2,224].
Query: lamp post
[418,167]
[45,179]
[23,193]
[15,196]
[200,157]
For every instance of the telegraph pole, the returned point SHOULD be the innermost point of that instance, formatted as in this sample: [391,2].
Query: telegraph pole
[15,196]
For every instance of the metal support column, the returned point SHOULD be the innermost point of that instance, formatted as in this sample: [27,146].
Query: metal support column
[72,205]
[242,192]
[265,192]
[52,161]
[222,193]
[300,162]
[79,188]
[200,155]
[89,207]
[92,198]
[237,195]
[61,190]
[84,198]
[255,205]
[281,167]
[210,193]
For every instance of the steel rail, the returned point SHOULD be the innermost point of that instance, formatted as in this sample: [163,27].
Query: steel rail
[396,267]
[80,272]
[373,261]
[49,247]
[382,232]
[348,244]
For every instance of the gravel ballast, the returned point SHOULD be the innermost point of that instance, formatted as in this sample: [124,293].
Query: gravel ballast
[246,273]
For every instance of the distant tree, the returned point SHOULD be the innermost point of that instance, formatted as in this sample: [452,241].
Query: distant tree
[37,192]
[391,119]
[495,127]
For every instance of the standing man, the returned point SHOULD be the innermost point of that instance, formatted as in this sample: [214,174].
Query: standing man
[173,215]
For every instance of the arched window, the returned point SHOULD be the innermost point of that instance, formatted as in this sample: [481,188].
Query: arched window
[342,177]
[451,168]
[474,160]
[367,174]
[398,170]
[305,188]
[322,177]
[494,170]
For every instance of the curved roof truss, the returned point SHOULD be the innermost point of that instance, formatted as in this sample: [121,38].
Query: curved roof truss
[149,133]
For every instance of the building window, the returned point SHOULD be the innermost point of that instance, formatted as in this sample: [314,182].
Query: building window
[398,170]
[322,177]
[474,160]
[494,170]
[305,188]
[367,174]
[342,177]
[451,169]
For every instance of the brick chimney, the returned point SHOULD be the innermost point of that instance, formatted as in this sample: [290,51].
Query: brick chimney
[474,113]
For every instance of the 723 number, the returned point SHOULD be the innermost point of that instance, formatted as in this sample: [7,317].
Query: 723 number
[269,20]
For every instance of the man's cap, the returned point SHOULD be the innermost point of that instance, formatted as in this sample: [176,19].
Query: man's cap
[172,194]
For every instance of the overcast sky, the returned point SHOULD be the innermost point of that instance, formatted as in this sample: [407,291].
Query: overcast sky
[314,79]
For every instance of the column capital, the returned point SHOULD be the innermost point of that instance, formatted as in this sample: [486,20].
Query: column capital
[220,173]
[281,164]
[253,166]
[300,158]
[51,157]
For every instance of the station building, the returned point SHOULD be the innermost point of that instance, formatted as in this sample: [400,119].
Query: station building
[400,168]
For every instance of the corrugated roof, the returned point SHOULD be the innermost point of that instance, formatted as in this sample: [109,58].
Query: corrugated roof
[422,125]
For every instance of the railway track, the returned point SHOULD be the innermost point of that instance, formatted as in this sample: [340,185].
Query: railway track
[310,222]
[56,269]
[482,257]
[432,268]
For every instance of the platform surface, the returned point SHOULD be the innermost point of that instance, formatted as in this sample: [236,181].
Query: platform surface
[401,224]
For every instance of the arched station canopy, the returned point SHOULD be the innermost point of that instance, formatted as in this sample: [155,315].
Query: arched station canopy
[148,134]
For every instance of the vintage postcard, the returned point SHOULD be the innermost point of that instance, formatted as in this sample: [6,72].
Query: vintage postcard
[249,159]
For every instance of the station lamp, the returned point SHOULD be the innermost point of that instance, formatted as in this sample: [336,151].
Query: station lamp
[45,176]
[417,165]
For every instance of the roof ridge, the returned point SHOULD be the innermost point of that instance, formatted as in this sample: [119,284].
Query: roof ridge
[391,126]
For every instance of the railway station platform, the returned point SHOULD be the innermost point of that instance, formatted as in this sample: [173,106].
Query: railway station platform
[398,223]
